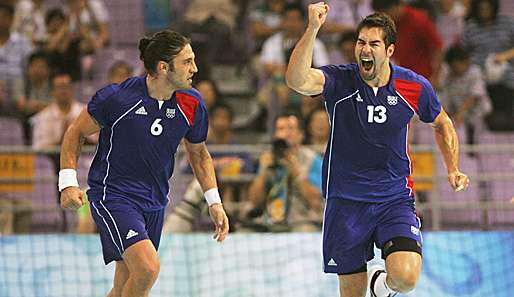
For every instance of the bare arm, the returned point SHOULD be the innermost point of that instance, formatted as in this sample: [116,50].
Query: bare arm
[202,164]
[84,125]
[72,141]
[448,144]
[203,168]
[300,76]
[257,190]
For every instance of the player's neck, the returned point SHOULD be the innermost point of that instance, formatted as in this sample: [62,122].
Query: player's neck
[159,89]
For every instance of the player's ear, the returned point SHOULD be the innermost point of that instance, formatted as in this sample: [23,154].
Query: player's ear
[163,67]
[390,50]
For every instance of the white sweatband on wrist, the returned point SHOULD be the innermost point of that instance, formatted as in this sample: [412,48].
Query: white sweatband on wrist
[67,178]
[212,196]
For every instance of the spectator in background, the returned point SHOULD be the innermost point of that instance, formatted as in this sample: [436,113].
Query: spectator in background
[276,52]
[489,38]
[418,45]
[33,93]
[63,47]
[191,209]
[88,20]
[29,20]
[318,129]
[14,50]
[119,72]
[346,46]
[285,194]
[265,20]
[345,15]
[463,92]
[210,92]
[50,123]
[450,21]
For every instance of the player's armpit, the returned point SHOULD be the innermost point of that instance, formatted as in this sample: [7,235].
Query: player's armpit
[312,84]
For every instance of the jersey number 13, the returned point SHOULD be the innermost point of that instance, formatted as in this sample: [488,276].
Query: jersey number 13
[377,114]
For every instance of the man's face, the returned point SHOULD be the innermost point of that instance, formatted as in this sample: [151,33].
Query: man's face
[293,23]
[221,120]
[459,67]
[38,70]
[288,129]
[62,89]
[184,67]
[371,54]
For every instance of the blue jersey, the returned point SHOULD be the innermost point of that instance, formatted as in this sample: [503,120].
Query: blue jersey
[367,157]
[138,141]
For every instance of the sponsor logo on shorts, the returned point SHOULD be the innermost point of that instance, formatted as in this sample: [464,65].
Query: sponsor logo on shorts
[332,262]
[131,233]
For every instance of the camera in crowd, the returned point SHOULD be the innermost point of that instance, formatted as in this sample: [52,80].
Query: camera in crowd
[279,149]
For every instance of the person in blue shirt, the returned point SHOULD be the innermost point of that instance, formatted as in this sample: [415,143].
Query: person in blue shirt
[366,168]
[141,122]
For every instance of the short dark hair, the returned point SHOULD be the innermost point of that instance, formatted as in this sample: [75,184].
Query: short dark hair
[456,53]
[383,21]
[118,64]
[381,5]
[295,6]
[475,9]
[54,13]
[7,8]
[224,106]
[287,114]
[162,46]
[38,55]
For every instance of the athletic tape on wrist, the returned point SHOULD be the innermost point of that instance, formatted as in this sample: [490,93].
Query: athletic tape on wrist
[212,196]
[67,178]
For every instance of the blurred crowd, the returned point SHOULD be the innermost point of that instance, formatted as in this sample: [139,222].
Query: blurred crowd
[464,47]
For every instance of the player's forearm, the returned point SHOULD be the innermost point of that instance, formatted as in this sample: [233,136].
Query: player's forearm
[301,60]
[448,144]
[71,147]
[203,168]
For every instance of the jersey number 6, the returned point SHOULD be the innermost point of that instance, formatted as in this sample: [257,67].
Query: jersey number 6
[156,128]
[377,114]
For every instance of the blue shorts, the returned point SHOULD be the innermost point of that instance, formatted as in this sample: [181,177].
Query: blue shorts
[351,228]
[121,224]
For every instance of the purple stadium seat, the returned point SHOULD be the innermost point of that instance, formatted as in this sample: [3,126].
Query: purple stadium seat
[11,131]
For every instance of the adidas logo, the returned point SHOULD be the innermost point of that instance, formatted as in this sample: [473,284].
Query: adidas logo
[141,111]
[332,262]
[131,233]
[359,99]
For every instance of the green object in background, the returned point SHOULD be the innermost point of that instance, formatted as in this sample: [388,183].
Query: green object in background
[157,15]
[84,209]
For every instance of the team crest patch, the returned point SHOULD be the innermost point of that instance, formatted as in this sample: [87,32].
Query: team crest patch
[392,100]
[170,113]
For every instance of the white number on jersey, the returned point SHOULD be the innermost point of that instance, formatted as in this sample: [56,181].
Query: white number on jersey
[376,114]
[156,128]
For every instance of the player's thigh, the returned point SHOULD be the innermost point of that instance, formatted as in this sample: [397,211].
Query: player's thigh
[154,222]
[398,235]
[353,285]
[120,225]
[347,236]
[142,258]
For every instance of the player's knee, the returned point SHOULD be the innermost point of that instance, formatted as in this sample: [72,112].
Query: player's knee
[403,280]
[146,274]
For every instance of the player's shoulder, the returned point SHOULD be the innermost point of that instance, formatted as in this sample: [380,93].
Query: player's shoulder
[126,91]
[402,75]
[192,95]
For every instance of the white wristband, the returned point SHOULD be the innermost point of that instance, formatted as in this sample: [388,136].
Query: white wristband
[67,178]
[212,196]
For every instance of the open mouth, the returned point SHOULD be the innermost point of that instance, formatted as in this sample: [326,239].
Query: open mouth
[367,63]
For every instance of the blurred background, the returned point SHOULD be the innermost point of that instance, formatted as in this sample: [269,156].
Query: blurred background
[55,54]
